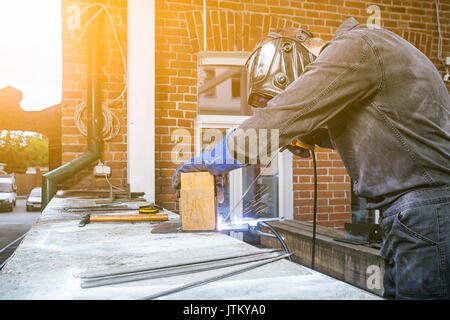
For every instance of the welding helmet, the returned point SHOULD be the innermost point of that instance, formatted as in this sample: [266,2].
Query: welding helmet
[278,60]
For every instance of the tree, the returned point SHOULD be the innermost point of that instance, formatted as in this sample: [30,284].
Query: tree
[20,150]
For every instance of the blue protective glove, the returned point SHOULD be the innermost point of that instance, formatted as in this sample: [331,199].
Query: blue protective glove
[218,161]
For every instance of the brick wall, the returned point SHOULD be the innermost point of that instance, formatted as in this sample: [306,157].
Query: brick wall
[75,86]
[237,26]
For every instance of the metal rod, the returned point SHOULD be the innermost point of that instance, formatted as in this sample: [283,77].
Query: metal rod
[215,278]
[128,270]
[153,274]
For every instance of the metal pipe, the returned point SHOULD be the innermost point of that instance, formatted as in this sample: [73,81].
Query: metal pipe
[94,122]
[165,266]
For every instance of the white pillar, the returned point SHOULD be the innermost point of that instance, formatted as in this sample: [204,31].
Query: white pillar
[141,97]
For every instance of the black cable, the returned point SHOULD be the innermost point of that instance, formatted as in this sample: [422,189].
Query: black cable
[276,235]
[315,210]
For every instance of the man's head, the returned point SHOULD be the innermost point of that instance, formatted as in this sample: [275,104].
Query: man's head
[278,60]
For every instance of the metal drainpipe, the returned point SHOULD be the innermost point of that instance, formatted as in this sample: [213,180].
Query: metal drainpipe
[94,122]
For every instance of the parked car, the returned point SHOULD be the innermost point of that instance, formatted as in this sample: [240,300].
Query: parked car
[8,192]
[34,199]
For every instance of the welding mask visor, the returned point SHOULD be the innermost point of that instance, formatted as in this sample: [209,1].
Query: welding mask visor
[274,65]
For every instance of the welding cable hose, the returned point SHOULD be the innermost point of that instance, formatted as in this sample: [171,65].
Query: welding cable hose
[315,210]
[276,234]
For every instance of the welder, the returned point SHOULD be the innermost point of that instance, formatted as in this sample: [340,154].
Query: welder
[382,104]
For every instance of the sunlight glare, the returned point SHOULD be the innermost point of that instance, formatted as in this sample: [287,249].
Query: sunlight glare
[30,53]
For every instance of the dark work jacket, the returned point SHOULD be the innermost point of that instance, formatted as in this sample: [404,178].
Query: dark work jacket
[386,108]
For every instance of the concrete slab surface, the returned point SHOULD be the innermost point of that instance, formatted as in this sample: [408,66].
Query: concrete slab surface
[55,251]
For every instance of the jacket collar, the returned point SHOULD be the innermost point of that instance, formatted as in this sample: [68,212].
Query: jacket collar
[347,25]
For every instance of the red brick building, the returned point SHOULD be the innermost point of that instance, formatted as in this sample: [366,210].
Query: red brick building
[176,31]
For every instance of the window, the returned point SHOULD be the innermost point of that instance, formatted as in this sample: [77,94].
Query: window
[6,187]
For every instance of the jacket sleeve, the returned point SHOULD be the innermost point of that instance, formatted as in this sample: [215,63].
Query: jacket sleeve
[346,72]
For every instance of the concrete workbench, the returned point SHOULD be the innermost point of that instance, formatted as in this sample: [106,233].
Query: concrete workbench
[56,249]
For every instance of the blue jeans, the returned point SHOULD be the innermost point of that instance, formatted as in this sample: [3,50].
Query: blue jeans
[416,245]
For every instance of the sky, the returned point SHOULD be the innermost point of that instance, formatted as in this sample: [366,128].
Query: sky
[30,51]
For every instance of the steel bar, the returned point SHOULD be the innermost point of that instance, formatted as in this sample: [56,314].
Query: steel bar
[153,274]
[148,267]
[216,278]
[249,187]
[11,243]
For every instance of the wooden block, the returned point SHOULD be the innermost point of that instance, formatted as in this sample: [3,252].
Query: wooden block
[197,202]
